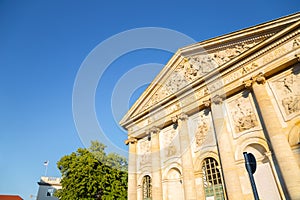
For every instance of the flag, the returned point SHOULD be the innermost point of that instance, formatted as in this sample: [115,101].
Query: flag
[46,162]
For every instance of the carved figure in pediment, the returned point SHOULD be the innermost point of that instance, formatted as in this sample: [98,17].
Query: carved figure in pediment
[243,115]
[202,131]
[200,65]
[176,82]
[229,53]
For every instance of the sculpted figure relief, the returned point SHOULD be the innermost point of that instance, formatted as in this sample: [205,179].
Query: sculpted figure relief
[225,55]
[243,115]
[193,68]
[145,152]
[288,92]
[201,132]
[170,148]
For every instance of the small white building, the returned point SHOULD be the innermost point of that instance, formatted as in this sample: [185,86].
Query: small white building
[47,187]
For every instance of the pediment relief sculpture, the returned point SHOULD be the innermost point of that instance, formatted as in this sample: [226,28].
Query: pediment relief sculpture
[195,67]
[224,56]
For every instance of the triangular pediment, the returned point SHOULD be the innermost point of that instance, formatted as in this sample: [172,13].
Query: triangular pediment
[191,63]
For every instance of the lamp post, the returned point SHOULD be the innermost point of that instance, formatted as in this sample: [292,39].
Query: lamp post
[250,164]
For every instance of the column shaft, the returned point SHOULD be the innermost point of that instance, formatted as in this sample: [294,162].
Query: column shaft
[186,158]
[132,176]
[156,167]
[229,168]
[286,161]
[199,185]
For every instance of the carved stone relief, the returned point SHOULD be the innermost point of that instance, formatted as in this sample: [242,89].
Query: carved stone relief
[201,131]
[242,114]
[169,144]
[195,67]
[287,90]
[144,151]
[224,56]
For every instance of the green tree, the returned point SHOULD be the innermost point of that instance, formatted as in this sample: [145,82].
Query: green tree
[90,174]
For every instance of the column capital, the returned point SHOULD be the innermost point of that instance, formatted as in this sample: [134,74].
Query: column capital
[131,140]
[153,130]
[248,83]
[207,103]
[217,99]
[259,79]
[181,117]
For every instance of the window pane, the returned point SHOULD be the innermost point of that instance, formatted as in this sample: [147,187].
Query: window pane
[212,179]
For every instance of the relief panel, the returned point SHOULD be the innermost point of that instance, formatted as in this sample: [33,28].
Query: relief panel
[202,131]
[144,152]
[242,114]
[169,143]
[286,88]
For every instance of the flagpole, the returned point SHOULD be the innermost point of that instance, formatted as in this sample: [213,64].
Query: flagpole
[46,169]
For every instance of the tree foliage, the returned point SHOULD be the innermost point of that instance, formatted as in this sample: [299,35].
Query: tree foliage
[91,174]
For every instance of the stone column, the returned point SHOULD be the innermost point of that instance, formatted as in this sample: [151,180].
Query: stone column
[186,157]
[227,162]
[199,185]
[132,177]
[286,161]
[156,166]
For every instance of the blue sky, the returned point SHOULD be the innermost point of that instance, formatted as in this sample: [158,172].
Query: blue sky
[42,46]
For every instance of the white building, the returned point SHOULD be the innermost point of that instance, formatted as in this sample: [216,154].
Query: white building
[47,187]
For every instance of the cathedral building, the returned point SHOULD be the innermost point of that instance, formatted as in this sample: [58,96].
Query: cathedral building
[213,101]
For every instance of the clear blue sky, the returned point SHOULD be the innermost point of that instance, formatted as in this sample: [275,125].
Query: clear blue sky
[42,46]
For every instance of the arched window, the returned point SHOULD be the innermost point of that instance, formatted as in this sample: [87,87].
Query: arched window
[212,179]
[147,188]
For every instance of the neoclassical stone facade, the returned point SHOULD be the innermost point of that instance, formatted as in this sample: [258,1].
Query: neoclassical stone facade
[213,101]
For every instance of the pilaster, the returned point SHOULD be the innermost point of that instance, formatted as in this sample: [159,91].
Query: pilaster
[186,157]
[156,166]
[132,171]
[227,161]
[288,167]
